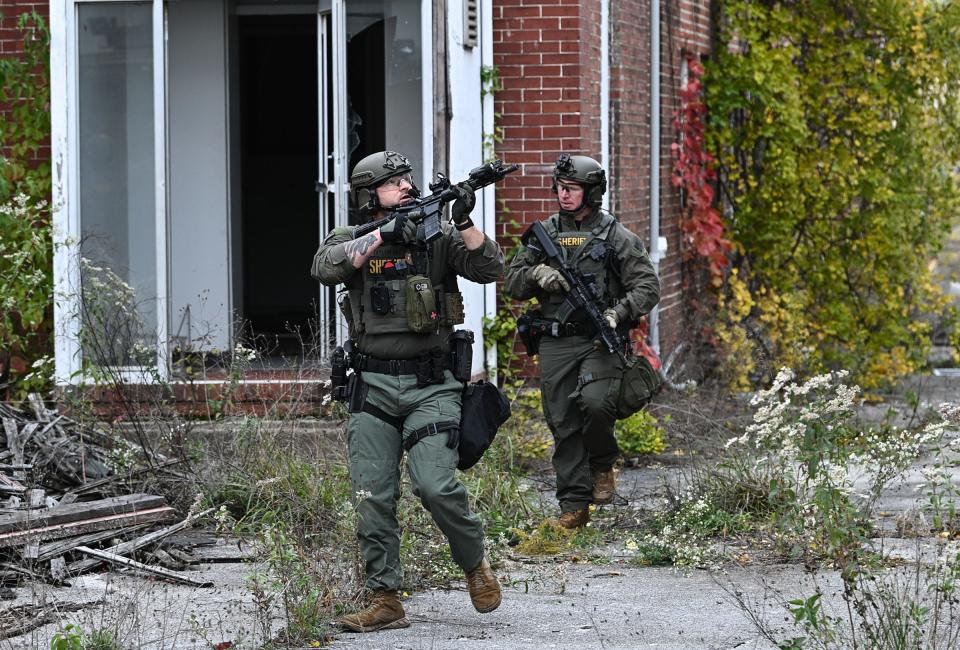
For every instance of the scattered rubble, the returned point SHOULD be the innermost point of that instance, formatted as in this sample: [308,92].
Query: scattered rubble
[65,511]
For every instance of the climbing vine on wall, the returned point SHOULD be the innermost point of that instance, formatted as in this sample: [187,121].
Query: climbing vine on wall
[837,135]
[26,245]
[694,172]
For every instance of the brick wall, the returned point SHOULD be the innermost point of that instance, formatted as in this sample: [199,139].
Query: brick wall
[11,42]
[548,53]
[686,27]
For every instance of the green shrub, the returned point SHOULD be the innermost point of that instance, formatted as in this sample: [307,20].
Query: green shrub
[640,433]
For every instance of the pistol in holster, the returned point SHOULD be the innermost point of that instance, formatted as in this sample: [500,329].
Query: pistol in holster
[347,388]
[530,331]
[338,374]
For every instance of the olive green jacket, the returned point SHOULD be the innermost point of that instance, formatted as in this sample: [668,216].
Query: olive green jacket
[630,284]
[449,259]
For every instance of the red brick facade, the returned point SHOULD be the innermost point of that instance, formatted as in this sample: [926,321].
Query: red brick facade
[548,55]
[11,42]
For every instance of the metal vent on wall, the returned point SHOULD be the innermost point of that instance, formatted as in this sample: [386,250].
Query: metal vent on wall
[470,23]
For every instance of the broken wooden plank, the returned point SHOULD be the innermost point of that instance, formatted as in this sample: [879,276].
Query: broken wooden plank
[126,548]
[13,443]
[62,546]
[72,512]
[91,486]
[58,569]
[51,425]
[40,410]
[27,432]
[30,550]
[35,498]
[133,564]
[21,619]
[21,570]
[59,531]
[10,468]
[11,486]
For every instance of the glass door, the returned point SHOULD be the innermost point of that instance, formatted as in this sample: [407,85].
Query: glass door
[371,78]
[333,180]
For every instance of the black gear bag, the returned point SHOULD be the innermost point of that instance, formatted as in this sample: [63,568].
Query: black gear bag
[485,409]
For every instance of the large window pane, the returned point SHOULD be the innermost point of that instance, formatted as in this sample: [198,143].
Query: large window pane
[117,202]
[384,80]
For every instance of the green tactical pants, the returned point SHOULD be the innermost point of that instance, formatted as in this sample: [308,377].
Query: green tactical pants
[581,418]
[375,452]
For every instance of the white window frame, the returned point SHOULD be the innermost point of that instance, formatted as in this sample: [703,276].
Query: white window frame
[66,198]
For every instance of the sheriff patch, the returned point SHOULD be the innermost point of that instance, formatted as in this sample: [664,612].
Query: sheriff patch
[390,266]
[571,241]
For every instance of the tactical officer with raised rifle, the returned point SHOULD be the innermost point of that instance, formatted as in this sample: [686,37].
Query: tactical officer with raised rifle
[401,302]
[593,281]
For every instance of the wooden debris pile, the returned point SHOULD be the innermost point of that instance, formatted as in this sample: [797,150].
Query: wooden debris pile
[64,510]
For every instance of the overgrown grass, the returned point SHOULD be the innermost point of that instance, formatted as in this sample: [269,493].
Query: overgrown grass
[300,508]
[803,479]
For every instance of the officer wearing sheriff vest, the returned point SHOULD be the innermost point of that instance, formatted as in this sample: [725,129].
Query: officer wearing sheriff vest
[581,380]
[401,304]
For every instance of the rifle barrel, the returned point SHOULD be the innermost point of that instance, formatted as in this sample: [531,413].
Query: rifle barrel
[478,178]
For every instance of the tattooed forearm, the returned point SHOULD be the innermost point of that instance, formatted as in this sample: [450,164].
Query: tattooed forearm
[357,250]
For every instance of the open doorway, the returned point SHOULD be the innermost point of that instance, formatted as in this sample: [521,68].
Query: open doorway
[276,96]
[373,93]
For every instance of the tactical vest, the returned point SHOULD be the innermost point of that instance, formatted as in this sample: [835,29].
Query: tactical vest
[402,290]
[593,253]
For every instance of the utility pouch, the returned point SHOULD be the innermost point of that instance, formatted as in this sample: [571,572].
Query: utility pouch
[424,371]
[461,355]
[529,335]
[421,304]
[485,408]
[453,313]
[356,392]
[639,384]
[380,299]
[436,366]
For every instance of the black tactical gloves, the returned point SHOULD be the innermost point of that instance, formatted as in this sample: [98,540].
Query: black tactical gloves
[460,212]
[399,230]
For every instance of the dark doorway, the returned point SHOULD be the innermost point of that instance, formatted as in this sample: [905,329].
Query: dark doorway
[278,114]
[366,121]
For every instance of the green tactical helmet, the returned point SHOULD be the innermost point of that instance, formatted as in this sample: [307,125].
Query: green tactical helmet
[585,171]
[370,172]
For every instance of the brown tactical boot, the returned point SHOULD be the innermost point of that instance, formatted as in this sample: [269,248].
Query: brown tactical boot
[484,588]
[384,613]
[604,487]
[573,519]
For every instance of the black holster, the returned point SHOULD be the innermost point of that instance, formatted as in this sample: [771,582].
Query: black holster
[529,333]
[461,355]
[338,375]
[356,392]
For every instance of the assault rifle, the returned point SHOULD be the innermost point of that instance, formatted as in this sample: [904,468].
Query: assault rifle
[427,209]
[584,294]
